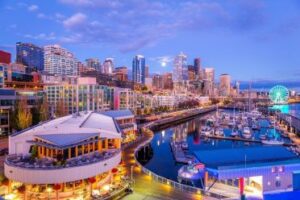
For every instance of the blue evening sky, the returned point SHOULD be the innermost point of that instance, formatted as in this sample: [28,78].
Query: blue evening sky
[249,39]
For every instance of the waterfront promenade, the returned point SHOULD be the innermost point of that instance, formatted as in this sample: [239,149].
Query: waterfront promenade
[146,188]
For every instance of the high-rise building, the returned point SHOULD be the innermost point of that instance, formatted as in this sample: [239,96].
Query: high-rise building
[5,57]
[138,69]
[108,66]
[1,76]
[30,55]
[167,81]
[148,83]
[180,70]
[147,75]
[197,67]
[209,80]
[60,61]
[93,63]
[83,95]
[157,81]
[191,73]
[121,73]
[224,87]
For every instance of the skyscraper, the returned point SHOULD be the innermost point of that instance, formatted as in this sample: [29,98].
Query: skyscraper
[224,87]
[157,81]
[108,66]
[121,73]
[209,80]
[197,67]
[180,70]
[93,63]
[60,61]
[147,75]
[138,69]
[30,55]
[167,81]
[191,73]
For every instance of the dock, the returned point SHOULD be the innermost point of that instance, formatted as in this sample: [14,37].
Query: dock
[179,155]
[242,139]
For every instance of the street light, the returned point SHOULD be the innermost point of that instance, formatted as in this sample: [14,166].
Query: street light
[49,190]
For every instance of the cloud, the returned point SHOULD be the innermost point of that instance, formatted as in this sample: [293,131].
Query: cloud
[162,59]
[135,24]
[41,36]
[33,8]
[75,20]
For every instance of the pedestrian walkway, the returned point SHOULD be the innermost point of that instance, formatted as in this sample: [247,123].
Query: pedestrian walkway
[148,189]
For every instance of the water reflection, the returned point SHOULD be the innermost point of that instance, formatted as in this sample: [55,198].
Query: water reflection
[293,109]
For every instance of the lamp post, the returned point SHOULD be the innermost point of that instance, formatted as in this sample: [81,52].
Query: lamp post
[49,190]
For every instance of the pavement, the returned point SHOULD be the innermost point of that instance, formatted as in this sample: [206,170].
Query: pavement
[147,189]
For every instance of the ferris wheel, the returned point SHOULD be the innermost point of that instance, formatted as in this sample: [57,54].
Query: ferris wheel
[279,94]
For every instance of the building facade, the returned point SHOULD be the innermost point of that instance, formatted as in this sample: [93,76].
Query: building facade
[225,87]
[60,61]
[124,98]
[5,57]
[121,73]
[30,55]
[180,69]
[83,95]
[209,81]
[108,66]
[93,63]
[138,69]
[69,154]
[198,68]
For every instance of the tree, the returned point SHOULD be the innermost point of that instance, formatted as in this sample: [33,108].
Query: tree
[24,116]
[13,118]
[35,115]
[60,110]
[44,109]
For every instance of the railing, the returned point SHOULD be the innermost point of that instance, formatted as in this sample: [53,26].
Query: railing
[125,185]
[292,120]
[171,183]
[80,161]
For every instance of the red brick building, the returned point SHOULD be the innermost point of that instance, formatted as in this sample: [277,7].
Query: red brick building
[5,57]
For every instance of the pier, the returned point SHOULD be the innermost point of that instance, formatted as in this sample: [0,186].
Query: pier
[179,155]
[291,122]
[241,139]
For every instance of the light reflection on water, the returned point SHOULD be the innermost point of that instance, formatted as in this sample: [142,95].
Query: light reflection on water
[293,109]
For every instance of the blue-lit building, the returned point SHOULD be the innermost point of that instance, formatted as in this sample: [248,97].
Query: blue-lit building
[30,55]
[1,76]
[259,170]
[138,69]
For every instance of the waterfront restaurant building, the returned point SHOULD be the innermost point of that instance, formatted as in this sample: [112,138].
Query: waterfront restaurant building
[127,123]
[67,154]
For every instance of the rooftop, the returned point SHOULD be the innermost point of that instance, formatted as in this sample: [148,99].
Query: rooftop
[250,156]
[118,113]
[62,140]
[85,122]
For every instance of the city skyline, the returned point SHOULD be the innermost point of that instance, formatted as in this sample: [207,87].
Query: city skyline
[216,34]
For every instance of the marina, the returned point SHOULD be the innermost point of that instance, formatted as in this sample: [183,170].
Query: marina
[210,141]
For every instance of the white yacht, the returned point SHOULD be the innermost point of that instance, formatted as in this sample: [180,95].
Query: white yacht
[206,131]
[263,136]
[219,132]
[234,133]
[184,145]
[272,142]
[247,132]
